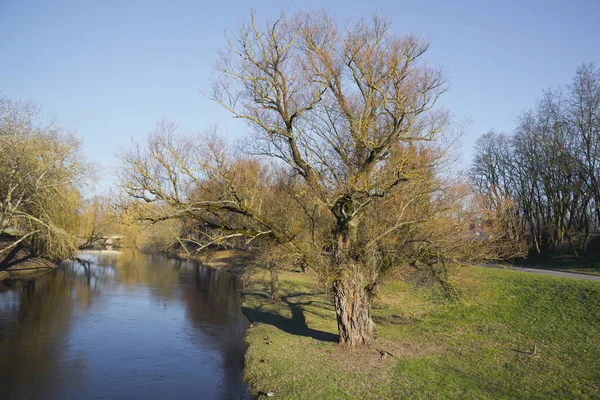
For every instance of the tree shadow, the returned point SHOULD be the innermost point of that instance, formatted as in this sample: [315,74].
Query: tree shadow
[6,262]
[19,255]
[14,257]
[296,325]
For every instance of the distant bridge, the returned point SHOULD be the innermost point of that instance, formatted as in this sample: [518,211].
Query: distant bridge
[110,240]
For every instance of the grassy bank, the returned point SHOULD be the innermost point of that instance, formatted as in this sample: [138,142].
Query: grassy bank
[514,335]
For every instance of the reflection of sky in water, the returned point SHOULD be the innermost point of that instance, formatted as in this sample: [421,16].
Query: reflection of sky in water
[128,325]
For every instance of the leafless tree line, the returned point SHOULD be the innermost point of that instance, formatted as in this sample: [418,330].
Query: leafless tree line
[546,175]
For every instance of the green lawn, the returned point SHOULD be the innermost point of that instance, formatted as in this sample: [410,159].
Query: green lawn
[513,335]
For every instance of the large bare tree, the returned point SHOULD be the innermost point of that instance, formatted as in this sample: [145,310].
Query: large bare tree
[336,105]
[341,122]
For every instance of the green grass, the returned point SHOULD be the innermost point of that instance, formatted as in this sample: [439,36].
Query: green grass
[481,347]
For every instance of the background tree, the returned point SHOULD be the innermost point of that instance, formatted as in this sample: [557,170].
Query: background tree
[584,120]
[218,194]
[545,175]
[94,221]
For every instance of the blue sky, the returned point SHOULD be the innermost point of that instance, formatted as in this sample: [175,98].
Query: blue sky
[110,69]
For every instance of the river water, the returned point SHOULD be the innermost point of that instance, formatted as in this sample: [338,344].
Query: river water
[128,326]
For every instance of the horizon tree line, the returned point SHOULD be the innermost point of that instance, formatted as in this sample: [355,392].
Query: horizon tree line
[546,174]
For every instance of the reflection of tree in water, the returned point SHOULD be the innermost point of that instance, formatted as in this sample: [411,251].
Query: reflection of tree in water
[36,319]
[133,269]
[33,329]
[212,300]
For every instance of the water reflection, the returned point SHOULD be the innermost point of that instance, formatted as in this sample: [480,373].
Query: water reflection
[128,325]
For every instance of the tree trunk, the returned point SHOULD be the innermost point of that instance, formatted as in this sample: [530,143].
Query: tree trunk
[353,310]
[274,282]
[351,296]
[303,267]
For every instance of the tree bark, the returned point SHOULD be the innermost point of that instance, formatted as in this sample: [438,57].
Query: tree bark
[353,310]
[351,296]
[274,282]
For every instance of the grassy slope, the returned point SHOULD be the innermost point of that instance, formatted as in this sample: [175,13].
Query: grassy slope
[479,348]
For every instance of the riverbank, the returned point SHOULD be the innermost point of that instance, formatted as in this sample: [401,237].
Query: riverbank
[18,263]
[513,335]
[238,262]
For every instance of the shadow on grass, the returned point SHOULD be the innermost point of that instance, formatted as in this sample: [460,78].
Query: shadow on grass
[296,325]
[12,259]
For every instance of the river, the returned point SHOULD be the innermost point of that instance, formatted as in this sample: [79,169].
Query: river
[128,326]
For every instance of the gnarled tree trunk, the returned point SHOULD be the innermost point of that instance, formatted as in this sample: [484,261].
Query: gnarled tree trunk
[353,310]
[351,296]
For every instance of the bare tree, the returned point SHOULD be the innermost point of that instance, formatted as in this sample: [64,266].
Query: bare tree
[585,121]
[228,195]
[335,106]
[547,171]
[343,121]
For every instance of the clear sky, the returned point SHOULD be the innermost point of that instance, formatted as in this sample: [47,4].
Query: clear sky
[110,69]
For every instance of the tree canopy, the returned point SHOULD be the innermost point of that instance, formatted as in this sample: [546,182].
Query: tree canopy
[40,174]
